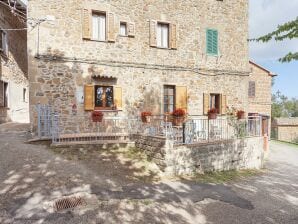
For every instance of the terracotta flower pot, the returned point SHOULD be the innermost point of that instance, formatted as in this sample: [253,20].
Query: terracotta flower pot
[241,115]
[97,117]
[212,116]
[146,119]
[178,121]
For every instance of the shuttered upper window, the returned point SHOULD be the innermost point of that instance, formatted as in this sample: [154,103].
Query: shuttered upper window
[252,89]
[162,35]
[212,41]
[99,26]
[123,29]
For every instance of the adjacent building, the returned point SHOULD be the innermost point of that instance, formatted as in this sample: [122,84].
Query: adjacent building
[285,129]
[138,56]
[259,95]
[14,92]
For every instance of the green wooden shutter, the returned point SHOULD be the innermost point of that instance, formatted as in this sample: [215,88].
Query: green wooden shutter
[212,42]
[215,42]
[209,41]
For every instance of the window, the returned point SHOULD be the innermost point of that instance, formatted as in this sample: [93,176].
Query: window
[3,94]
[162,35]
[215,102]
[104,97]
[252,89]
[3,42]
[24,94]
[99,26]
[169,98]
[212,42]
[123,29]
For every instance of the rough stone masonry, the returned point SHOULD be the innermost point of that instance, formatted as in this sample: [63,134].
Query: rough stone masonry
[66,60]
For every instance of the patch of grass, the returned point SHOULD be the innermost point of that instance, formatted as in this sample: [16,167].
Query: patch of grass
[226,176]
[295,145]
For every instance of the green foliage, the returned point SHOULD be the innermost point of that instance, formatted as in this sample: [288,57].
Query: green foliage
[238,125]
[284,107]
[288,30]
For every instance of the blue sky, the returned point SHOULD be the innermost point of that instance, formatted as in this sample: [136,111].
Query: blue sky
[265,16]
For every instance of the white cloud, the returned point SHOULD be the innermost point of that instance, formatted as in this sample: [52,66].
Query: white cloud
[265,16]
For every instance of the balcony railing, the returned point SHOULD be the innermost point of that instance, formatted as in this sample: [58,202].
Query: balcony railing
[195,129]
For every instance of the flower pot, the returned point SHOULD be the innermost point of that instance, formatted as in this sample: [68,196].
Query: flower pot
[212,116]
[178,121]
[241,115]
[97,117]
[146,119]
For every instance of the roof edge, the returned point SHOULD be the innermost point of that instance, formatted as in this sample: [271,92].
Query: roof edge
[264,69]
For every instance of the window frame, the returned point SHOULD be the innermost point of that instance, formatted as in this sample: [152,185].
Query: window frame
[164,96]
[98,13]
[216,102]
[24,95]
[104,97]
[4,94]
[217,41]
[126,29]
[250,91]
[168,39]
[4,43]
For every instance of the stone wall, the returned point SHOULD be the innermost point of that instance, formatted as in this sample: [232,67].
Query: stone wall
[287,133]
[261,103]
[14,69]
[67,62]
[237,154]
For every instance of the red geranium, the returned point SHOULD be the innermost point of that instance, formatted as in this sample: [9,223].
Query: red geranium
[179,113]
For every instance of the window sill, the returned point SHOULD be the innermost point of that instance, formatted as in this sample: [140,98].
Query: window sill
[94,40]
[107,110]
[213,55]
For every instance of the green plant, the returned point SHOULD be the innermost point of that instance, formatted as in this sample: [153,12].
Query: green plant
[238,125]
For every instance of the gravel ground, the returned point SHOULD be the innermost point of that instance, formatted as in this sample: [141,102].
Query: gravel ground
[121,187]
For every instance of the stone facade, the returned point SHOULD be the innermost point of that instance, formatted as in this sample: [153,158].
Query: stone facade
[14,70]
[66,62]
[285,129]
[236,154]
[261,102]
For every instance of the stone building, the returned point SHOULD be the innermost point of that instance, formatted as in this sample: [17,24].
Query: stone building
[285,129]
[134,56]
[14,93]
[259,95]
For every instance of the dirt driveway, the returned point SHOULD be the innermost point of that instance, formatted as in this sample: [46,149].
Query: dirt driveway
[121,187]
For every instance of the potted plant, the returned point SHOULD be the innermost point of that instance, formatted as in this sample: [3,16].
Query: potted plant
[240,114]
[146,117]
[97,116]
[212,113]
[179,116]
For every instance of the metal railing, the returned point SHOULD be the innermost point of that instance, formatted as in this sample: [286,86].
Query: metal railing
[82,129]
[115,129]
[197,129]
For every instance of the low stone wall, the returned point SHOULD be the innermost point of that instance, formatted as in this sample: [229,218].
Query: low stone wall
[154,147]
[237,154]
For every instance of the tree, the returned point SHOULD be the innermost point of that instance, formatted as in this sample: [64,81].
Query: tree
[288,30]
[284,107]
